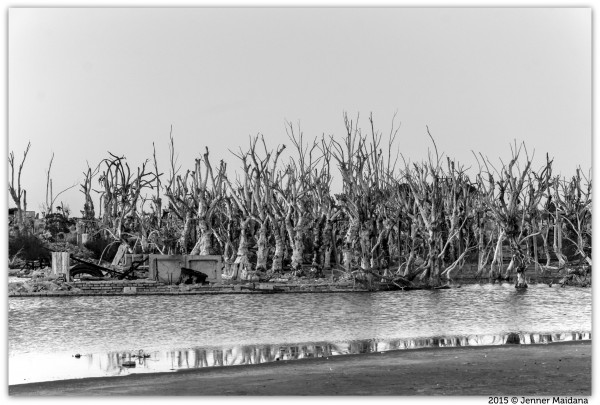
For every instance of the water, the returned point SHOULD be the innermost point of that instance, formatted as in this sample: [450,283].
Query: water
[206,330]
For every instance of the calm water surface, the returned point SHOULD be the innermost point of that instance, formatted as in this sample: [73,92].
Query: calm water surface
[206,330]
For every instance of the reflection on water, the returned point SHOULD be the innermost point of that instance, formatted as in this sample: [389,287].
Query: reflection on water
[111,364]
[45,332]
[241,355]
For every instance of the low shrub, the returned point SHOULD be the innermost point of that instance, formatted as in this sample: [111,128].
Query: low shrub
[27,246]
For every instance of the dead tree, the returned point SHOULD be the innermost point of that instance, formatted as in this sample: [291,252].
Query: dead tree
[18,194]
[50,197]
[509,199]
[366,191]
[538,187]
[86,188]
[252,196]
[423,181]
[241,194]
[276,214]
[557,219]
[350,164]
[156,200]
[325,211]
[408,224]
[457,210]
[121,193]
[443,201]
[225,233]
[207,196]
[182,205]
[573,202]
[352,157]
[260,180]
[296,195]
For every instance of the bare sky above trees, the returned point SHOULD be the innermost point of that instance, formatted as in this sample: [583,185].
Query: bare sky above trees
[83,82]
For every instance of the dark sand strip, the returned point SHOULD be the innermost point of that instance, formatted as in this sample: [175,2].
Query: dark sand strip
[548,370]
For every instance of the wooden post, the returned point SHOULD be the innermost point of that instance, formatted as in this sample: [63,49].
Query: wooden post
[60,264]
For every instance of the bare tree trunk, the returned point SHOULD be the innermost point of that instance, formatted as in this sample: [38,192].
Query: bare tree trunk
[429,273]
[204,244]
[481,253]
[327,243]
[279,235]
[334,248]
[535,248]
[262,248]
[518,260]
[349,239]
[494,271]
[399,244]
[296,235]
[509,268]
[546,246]
[298,249]
[434,277]
[228,260]
[183,239]
[365,245]
[20,217]
[242,260]
[317,234]
[460,248]
[562,260]
[411,257]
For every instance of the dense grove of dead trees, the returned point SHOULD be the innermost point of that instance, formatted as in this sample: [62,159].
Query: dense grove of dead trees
[418,221]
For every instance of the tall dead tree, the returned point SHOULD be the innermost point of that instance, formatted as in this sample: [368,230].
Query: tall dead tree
[18,194]
[253,196]
[424,181]
[156,200]
[250,195]
[574,208]
[351,160]
[295,195]
[408,226]
[277,215]
[121,192]
[325,211]
[50,197]
[457,211]
[182,209]
[207,195]
[509,199]
[366,188]
[86,188]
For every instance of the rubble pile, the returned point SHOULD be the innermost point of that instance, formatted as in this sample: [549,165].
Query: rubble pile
[40,281]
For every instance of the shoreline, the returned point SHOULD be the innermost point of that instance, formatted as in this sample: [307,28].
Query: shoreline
[145,287]
[554,369]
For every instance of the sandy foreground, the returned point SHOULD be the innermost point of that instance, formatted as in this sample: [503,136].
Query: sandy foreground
[557,369]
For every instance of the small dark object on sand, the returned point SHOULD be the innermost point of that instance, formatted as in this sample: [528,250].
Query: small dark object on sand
[77,356]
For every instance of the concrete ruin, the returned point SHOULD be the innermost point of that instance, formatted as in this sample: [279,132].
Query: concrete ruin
[168,268]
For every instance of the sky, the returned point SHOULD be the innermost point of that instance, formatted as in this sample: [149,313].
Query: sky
[83,82]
